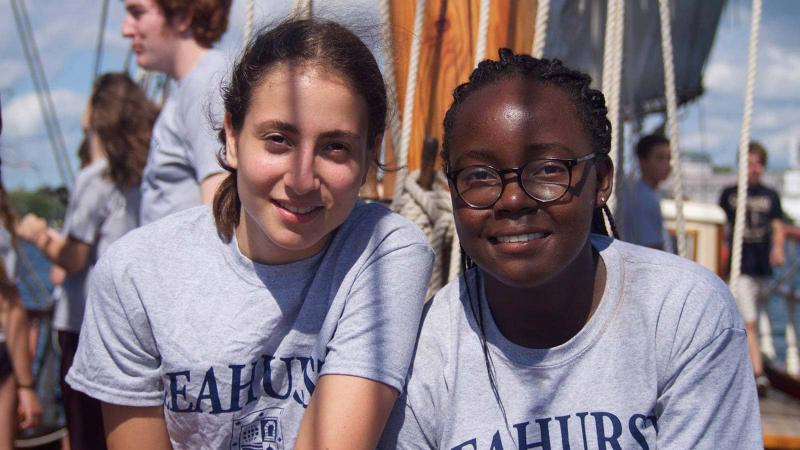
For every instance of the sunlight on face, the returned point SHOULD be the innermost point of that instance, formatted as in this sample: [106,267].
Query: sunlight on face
[301,157]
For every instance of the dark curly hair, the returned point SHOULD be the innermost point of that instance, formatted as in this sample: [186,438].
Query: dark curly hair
[122,117]
[209,17]
[319,43]
[590,103]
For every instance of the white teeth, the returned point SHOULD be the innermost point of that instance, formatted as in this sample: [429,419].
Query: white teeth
[297,210]
[520,237]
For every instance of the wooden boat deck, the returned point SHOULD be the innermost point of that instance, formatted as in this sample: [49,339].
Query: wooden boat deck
[780,420]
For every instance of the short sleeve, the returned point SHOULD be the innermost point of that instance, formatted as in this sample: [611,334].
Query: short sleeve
[375,336]
[202,107]
[413,423]
[117,360]
[86,211]
[706,376]
[777,210]
[403,430]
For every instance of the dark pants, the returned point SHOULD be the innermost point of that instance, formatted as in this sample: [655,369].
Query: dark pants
[84,418]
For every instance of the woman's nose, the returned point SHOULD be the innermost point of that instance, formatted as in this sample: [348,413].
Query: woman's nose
[513,198]
[301,177]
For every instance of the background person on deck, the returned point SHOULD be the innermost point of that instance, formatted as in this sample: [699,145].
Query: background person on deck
[642,221]
[762,247]
[286,315]
[175,37]
[557,335]
[103,206]
[19,404]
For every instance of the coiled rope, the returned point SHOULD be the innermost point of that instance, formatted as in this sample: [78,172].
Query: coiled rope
[744,139]
[540,30]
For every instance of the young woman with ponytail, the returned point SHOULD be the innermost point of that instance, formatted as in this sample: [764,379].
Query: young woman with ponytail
[284,316]
[102,207]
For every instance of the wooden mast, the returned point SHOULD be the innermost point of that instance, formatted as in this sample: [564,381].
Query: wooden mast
[446,58]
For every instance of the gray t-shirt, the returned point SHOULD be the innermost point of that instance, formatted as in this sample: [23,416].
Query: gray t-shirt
[233,349]
[642,222]
[662,363]
[98,214]
[183,149]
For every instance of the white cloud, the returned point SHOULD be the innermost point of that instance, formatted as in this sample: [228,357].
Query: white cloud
[724,78]
[780,73]
[12,71]
[22,116]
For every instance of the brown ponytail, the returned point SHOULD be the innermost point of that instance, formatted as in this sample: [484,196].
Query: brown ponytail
[227,206]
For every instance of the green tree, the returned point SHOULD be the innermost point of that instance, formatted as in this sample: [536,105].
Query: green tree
[46,202]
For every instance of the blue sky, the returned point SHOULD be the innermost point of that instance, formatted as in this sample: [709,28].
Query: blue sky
[66,31]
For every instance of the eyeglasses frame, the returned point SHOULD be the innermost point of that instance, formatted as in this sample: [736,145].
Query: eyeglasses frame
[569,162]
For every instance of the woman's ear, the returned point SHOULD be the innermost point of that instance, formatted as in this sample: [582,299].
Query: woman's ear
[231,151]
[182,22]
[605,180]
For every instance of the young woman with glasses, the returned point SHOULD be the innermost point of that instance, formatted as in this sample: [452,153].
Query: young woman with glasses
[556,337]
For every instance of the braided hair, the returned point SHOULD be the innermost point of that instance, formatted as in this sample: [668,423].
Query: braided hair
[592,111]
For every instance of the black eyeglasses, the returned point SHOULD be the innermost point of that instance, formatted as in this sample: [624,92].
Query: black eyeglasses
[545,180]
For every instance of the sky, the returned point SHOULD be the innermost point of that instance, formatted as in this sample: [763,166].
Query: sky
[66,32]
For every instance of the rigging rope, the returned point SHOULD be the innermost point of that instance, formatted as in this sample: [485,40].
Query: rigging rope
[483,32]
[612,78]
[248,21]
[389,74]
[48,98]
[744,138]
[49,116]
[672,121]
[401,153]
[98,52]
[540,30]
[303,8]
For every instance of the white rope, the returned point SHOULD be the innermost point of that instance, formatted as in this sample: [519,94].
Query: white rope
[540,30]
[408,102]
[483,32]
[744,139]
[432,212]
[303,9]
[612,77]
[248,21]
[672,123]
[389,75]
